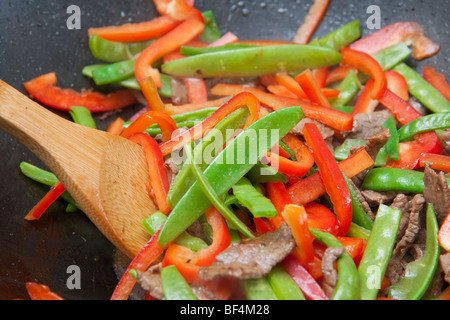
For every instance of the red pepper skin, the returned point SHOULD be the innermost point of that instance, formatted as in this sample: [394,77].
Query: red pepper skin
[301,166]
[401,109]
[181,10]
[279,197]
[309,286]
[163,120]
[369,66]
[404,31]
[309,85]
[44,90]
[397,84]
[171,41]
[243,99]
[41,292]
[132,32]
[189,262]
[312,20]
[444,234]
[297,219]
[321,218]
[116,127]
[339,73]
[162,5]
[312,187]
[332,177]
[365,103]
[158,176]
[437,80]
[55,192]
[437,161]
[148,254]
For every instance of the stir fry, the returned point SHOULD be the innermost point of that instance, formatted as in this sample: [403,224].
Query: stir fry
[307,170]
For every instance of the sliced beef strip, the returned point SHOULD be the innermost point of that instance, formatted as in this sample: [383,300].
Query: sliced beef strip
[365,205]
[437,192]
[251,258]
[375,198]
[150,281]
[444,260]
[171,170]
[373,145]
[366,125]
[330,275]
[445,136]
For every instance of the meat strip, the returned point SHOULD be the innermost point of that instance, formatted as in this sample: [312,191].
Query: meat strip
[330,275]
[437,192]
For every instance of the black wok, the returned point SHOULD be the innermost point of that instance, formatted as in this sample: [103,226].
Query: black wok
[34,39]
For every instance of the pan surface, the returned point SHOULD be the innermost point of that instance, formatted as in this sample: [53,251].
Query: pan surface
[35,39]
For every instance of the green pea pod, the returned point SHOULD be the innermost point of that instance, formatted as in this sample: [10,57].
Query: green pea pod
[258,289]
[114,72]
[192,51]
[430,122]
[253,62]
[174,286]
[419,273]
[359,215]
[422,90]
[392,145]
[347,287]
[283,285]
[211,31]
[342,37]
[82,116]
[262,173]
[240,155]
[211,142]
[113,51]
[378,251]
[394,179]
[342,152]
[357,231]
[348,88]
[248,196]
[391,56]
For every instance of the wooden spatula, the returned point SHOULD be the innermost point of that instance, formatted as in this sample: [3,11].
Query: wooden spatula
[104,173]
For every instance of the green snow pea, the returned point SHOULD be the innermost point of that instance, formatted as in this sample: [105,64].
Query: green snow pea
[211,142]
[392,145]
[341,37]
[262,173]
[283,285]
[422,90]
[114,72]
[240,155]
[211,32]
[174,285]
[348,88]
[113,51]
[342,152]
[250,198]
[357,231]
[192,51]
[347,287]
[419,273]
[359,215]
[391,56]
[378,251]
[82,116]
[394,179]
[430,122]
[258,289]
[253,62]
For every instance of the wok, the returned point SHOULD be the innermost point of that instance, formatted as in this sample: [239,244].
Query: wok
[34,39]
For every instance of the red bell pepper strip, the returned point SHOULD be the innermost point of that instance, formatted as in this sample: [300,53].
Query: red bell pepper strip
[297,219]
[354,246]
[292,85]
[368,65]
[401,109]
[436,161]
[437,80]
[196,90]
[182,34]
[331,175]
[262,225]
[280,90]
[189,262]
[41,292]
[309,286]
[321,74]
[312,20]
[227,38]
[279,197]
[161,5]
[365,103]
[444,234]
[116,127]
[304,158]
[309,85]
[158,176]
[405,31]
[148,254]
[179,109]
[150,92]
[44,90]
[163,120]
[311,187]
[180,10]
[38,210]
[411,151]
[321,218]
[397,84]
[132,32]
[241,100]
